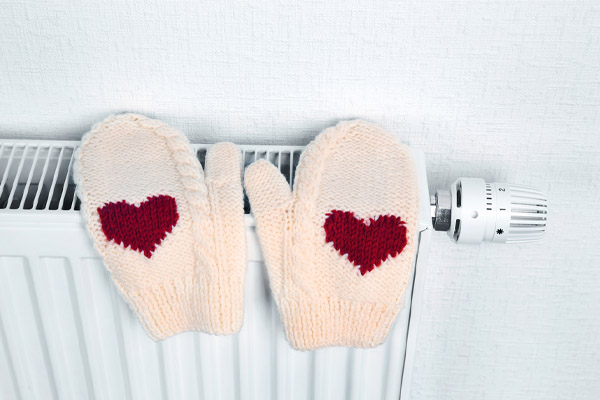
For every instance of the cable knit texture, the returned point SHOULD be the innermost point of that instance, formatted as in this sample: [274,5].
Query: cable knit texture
[340,247]
[172,237]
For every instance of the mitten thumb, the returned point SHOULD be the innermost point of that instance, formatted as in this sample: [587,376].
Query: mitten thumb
[224,285]
[224,183]
[270,198]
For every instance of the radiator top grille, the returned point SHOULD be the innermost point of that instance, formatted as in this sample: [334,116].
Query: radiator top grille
[38,175]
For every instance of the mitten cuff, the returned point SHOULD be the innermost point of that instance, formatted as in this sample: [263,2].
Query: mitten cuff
[335,322]
[168,308]
[190,304]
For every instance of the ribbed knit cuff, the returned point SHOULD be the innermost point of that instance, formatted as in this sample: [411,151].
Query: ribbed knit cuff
[335,322]
[189,304]
[168,308]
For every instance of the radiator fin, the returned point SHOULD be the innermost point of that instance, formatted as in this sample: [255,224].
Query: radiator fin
[72,337]
[39,175]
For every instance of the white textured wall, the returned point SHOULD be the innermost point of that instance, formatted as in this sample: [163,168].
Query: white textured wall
[507,91]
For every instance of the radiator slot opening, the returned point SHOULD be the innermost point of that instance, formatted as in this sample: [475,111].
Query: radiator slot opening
[39,176]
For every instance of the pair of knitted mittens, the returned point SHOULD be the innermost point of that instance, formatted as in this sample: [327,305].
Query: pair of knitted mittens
[172,237]
[339,248]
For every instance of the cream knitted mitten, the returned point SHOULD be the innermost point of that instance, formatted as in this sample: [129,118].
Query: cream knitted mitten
[339,249]
[172,237]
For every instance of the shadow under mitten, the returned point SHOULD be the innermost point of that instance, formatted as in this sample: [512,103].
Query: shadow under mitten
[339,249]
[172,237]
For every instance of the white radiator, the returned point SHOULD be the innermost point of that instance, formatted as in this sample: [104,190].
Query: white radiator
[65,333]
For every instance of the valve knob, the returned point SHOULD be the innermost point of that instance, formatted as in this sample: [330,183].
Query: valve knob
[474,211]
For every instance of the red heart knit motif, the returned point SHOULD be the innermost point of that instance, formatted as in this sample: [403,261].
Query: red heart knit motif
[369,243]
[141,227]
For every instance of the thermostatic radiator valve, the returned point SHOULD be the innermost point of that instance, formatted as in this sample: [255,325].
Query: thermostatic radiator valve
[474,211]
